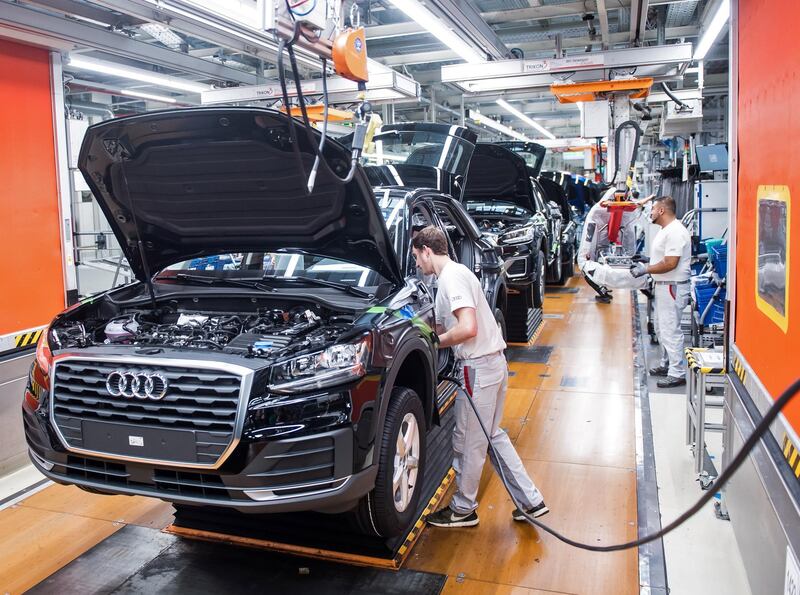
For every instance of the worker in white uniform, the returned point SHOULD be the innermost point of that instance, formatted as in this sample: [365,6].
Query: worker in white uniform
[670,255]
[465,322]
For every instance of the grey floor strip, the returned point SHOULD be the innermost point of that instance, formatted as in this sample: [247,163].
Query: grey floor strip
[652,565]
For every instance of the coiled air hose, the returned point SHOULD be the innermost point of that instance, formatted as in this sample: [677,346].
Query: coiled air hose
[750,443]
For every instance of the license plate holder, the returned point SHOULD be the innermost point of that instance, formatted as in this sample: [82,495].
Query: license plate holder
[130,440]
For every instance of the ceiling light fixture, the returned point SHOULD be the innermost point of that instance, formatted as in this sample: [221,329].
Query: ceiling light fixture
[136,74]
[163,34]
[161,98]
[713,30]
[530,121]
[479,118]
[429,21]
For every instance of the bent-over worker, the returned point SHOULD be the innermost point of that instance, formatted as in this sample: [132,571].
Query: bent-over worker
[466,323]
[670,256]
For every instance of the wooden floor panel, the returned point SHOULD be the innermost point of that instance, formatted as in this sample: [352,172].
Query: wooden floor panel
[581,428]
[130,510]
[591,504]
[515,415]
[462,586]
[34,543]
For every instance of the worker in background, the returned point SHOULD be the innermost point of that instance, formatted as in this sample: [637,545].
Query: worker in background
[466,323]
[670,255]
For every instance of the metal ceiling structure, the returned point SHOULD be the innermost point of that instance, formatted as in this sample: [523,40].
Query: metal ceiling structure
[183,40]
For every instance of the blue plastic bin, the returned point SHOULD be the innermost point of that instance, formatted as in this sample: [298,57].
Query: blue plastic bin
[719,258]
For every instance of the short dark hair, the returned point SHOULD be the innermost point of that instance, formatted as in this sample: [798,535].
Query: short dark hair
[668,202]
[433,238]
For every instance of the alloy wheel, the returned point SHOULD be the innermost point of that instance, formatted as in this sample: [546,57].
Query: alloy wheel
[406,462]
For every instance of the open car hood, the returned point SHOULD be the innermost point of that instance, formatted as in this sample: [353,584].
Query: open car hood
[532,152]
[496,173]
[180,184]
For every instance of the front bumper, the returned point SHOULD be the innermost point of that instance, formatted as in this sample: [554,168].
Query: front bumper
[295,454]
[312,472]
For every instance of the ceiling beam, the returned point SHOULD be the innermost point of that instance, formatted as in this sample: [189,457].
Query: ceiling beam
[569,42]
[602,13]
[467,22]
[80,9]
[639,10]
[22,18]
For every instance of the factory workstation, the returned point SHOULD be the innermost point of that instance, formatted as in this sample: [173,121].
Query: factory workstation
[403,297]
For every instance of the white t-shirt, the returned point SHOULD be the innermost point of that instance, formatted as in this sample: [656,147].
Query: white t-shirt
[672,240]
[460,288]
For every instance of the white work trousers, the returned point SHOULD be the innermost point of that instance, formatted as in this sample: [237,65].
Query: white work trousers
[487,380]
[670,301]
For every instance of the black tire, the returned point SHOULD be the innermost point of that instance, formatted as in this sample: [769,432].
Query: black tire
[377,512]
[501,322]
[567,266]
[537,289]
[555,270]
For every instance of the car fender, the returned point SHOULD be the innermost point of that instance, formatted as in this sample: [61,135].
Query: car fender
[411,340]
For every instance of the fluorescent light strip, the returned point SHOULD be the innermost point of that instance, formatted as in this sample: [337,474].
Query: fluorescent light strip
[161,98]
[486,121]
[512,110]
[429,21]
[136,74]
[713,30]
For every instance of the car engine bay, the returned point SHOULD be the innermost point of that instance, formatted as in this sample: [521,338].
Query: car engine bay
[266,333]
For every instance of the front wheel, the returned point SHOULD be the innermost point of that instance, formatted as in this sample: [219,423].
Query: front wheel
[567,266]
[537,289]
[393,503]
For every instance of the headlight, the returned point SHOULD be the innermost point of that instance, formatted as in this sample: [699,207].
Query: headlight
[518,236]
[335,365]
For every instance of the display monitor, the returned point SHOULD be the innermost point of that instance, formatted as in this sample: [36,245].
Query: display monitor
[712,157]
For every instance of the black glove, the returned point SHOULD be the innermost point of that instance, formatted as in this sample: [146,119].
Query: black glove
[435,339]
[638,270]
[640,258]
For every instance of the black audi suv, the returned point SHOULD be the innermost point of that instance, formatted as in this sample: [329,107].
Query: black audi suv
[276,353]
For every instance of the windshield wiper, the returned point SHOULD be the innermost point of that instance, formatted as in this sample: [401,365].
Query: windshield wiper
[324,283]
[203,280]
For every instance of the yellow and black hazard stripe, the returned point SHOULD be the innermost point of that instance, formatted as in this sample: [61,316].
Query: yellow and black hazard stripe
[739,369]
[695,359]
[415,532]
[791,454]
[27,339]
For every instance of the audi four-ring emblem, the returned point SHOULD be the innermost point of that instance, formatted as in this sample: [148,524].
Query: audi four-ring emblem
[140,385]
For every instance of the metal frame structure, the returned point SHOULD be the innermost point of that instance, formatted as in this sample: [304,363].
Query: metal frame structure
[386,85]
[659,62]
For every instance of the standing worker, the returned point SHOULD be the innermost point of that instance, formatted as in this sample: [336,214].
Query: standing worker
[670,256]
[468,326]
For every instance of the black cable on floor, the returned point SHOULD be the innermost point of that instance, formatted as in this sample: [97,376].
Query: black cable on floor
[737,461]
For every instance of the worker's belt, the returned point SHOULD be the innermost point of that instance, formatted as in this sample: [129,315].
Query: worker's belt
[480,358]
[670,282]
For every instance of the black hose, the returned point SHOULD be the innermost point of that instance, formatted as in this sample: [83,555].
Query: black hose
[716,486]
[617,138]
[674,98]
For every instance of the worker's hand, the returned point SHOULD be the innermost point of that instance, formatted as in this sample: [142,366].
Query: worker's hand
[435,339]
[640,258]
[638,270]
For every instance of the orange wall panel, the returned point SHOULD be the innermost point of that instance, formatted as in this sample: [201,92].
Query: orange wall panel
[768,129]
[31,273]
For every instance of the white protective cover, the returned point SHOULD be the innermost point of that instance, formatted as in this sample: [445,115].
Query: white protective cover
[613,278]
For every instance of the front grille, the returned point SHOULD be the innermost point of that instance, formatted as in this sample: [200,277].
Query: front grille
[199,400]
[518,267]
[184,483]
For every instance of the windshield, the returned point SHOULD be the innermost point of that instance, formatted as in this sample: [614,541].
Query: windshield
[281,265]
[418,147]
[496,207]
